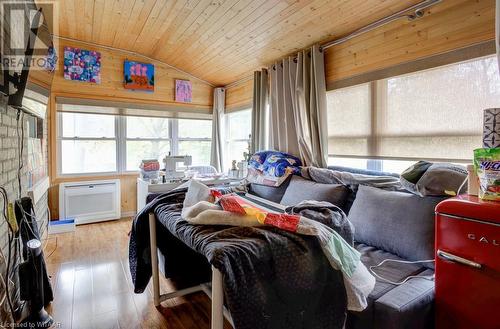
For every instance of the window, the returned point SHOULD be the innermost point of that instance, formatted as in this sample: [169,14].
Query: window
[434,114]
[348,162]
[349,126]
[195,139]
[238,129]
[88,143]
[147,138]
[100,143]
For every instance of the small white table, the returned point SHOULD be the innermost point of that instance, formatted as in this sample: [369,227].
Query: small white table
[145,187]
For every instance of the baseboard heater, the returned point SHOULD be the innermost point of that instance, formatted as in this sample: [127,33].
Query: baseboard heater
[90,201]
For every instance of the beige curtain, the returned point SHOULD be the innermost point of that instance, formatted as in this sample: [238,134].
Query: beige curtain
[282,129]
[259,111]
[216,156]
[298,123]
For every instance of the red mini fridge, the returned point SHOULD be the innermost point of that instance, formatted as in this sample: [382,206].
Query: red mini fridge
[468,263]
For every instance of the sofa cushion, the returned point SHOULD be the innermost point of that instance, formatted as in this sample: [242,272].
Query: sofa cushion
[408,306]
[396,272]
[398,222]
[271,193]
[353,177]
[300,189]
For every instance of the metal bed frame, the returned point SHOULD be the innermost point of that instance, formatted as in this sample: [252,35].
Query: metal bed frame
[214,290]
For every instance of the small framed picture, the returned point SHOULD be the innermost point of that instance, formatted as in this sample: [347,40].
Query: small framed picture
[139,76]
[183,91]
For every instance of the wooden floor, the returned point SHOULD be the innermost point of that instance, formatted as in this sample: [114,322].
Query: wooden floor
[93,287]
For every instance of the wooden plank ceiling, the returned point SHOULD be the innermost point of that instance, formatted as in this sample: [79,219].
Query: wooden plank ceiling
[219,41]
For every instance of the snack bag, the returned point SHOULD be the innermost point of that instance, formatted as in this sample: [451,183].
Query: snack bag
[487,166]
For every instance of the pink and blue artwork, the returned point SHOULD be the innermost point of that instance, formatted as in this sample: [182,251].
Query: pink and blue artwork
[139,76]
[183,91]
[82,65]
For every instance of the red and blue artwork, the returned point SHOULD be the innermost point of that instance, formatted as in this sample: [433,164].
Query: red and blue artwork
[183,91]
[82,65]
[139,76]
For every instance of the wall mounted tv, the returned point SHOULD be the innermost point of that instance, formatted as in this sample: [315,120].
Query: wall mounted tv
[28,53]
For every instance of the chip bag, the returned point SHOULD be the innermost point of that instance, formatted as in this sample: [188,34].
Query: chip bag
[487,167]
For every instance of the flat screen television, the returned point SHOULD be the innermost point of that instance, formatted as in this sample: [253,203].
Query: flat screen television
[27,49]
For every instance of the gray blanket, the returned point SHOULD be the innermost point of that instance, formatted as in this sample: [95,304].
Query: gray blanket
[272,278]
[326,213]
[327,176]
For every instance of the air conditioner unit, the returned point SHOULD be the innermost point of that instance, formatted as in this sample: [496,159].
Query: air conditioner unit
[90,201]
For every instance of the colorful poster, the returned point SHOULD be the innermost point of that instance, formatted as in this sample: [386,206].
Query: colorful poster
[183,91]
[82,65]
[139,76]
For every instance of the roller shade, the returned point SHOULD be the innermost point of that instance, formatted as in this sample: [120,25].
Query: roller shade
[435,114]
[78,105]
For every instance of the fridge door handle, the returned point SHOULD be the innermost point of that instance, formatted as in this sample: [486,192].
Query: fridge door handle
[457,259]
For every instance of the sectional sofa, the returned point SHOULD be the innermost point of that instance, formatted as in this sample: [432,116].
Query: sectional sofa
[389,224]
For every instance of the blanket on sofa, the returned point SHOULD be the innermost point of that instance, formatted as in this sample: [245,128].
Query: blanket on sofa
[272,278]
[204,206]
[327,176]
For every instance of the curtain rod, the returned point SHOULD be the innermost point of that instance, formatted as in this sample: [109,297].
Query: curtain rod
[417,11]
[414,12]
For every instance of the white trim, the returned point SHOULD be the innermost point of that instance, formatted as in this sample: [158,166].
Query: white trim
[60,138]
[38,190]
[120,140]
[121,144]
[174,134]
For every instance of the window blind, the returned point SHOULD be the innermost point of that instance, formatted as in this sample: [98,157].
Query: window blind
[434,114]
[80,105]
[349,121]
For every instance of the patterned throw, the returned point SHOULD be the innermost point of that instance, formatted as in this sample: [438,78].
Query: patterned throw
[272,167]
[237,211]
[239,206]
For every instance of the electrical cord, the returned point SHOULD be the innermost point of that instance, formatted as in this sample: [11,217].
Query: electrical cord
[20,147]
[37,221]
[462,185]
[24,220]
[13,241]
[53,250]
[4,283]
[425,277]
[46,240]
[10,235]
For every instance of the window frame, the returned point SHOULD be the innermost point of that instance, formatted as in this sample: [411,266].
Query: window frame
[60,138]
[123,141]
[120,144]
[228,140]
[378,102]
[176,139]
